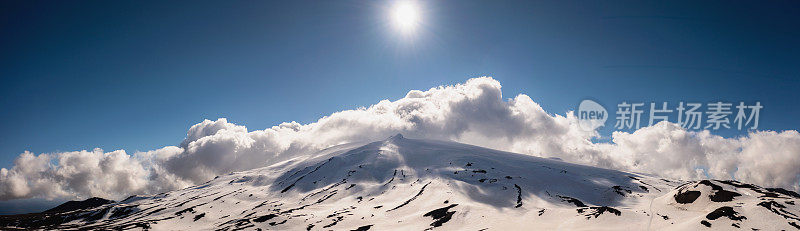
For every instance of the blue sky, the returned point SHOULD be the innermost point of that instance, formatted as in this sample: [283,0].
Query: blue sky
[135,75]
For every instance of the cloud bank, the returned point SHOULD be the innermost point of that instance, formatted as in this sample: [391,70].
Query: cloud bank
[474,112]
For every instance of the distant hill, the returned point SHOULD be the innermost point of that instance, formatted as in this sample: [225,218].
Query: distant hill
[76,205]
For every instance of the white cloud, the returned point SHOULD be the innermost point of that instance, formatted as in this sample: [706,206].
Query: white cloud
[474,112]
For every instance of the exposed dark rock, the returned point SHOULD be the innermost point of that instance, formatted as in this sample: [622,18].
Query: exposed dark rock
[725,211]
[778,209]
[686,197]
[412,198]
[719,194]
[621,191]
[363,228]
[199,216]
[190,209]
[784,192]
[597,211]
[573,201]
[441,215]
[277,223]
[121,212]
[265,218]
[723,196]
[519,196]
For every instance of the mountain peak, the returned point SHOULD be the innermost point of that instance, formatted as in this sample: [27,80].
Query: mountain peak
[415,183]
[397,136]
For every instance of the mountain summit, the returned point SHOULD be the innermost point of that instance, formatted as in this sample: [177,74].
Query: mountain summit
[412,184]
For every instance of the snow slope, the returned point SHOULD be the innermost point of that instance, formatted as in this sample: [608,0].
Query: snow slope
[410,184]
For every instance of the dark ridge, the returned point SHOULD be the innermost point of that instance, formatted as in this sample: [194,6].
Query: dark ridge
[220,197]
[644,188]
[598,211]
[390,180]
[343,181]
[42,220]
[713,186]
[77,205]
[705,222]
[194,198]
[155,211]
[412,198]
[642,182]
[770,192]
[98,215]
[238,223]
[363,228]
[720,194]
[794,224]
[199,216]
[778,209]
[573,201]
[738,184]
[687,197]
[441,215]
[479,171]
[265,218]
[277,223]
[190,209]
[144,226]
[304,175]
[784,192]
[725,211]
[335,221]
[326,196]
[621,191]
[121,212]
[541,212]
[723,196]
[519,196]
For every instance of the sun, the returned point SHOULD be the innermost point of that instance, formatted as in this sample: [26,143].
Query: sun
[406,16]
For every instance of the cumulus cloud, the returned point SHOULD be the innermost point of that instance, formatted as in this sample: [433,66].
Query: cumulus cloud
[474,112]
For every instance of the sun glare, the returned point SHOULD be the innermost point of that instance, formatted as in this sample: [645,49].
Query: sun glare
[405,16]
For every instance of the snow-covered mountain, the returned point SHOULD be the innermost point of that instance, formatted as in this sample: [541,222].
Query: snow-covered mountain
[410,184]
